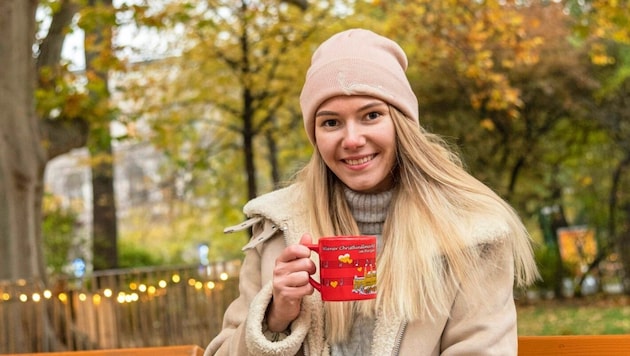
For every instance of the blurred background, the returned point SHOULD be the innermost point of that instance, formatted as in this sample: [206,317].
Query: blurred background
[135,130]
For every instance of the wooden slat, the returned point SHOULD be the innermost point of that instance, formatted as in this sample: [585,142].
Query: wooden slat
[574,345]
[571,345]
[184,350]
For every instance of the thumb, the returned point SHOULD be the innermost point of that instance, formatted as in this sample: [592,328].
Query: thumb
[306,239]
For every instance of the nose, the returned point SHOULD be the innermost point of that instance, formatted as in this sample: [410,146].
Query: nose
[353,137]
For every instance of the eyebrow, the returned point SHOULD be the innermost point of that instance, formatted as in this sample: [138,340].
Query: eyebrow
[364,107]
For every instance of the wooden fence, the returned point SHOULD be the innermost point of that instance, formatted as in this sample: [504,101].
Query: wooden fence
[118,309]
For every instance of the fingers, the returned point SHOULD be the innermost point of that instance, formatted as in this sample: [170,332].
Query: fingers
[290,283]
[291,279]
[294,279]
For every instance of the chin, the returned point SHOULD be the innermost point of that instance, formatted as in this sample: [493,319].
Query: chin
[369,187]
[363,188]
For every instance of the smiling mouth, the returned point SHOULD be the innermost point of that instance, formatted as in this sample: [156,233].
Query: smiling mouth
[356,162]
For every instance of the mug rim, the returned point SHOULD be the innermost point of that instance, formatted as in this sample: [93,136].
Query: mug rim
[345,237]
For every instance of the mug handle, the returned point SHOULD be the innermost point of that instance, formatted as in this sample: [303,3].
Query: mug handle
[314,283]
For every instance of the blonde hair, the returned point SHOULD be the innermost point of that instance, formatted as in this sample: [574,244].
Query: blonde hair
[434,210]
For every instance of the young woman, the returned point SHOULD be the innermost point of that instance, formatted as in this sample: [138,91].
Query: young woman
[450,251]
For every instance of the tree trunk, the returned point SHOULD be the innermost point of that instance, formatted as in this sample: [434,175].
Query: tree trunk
[22,158]
[104,223]
[272,146]
[248,145]
[248,113]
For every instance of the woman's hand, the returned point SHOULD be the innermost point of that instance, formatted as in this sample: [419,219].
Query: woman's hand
[290,284]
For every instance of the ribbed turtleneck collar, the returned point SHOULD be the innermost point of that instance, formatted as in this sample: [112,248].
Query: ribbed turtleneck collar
[369,210]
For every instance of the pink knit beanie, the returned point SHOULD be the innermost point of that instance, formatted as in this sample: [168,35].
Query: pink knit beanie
[357,62]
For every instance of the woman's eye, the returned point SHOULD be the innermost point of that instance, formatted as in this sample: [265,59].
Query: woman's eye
[373,115]
[329,123]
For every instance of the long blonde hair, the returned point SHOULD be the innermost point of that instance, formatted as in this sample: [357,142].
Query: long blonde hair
[427,253]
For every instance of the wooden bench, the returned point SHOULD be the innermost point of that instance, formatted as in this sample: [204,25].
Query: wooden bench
[574,345]
[570,345]
[184,350]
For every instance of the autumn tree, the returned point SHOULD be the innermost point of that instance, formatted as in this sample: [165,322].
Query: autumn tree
[239,75]
[225,111]
[461,53]
[508,83]
[501,79]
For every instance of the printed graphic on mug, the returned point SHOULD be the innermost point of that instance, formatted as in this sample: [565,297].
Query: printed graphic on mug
[347,267]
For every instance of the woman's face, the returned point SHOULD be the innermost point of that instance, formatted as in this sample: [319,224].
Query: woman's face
[355,136]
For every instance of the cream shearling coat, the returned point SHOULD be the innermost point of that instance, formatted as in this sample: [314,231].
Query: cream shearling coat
[483,326]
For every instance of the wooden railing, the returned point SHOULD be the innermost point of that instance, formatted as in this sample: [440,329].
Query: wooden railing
[144,307]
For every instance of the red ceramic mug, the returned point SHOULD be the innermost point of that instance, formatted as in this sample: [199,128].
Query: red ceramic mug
[347,267]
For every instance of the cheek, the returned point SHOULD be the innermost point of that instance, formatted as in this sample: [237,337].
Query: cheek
[326,152]
[391,159]
[389,147]
[325,144]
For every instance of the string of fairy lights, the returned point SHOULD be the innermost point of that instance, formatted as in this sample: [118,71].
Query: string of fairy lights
[134,290]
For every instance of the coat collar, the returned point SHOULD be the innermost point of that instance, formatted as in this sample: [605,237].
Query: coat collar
[285,208]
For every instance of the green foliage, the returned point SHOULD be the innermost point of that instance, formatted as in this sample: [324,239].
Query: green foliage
[587,316]
[601,21]
[134,255]
[58,96]
[173,235]
[547,261]
[58,231]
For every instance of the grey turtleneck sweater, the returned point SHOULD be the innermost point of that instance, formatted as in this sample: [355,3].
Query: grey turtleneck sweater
[369,211]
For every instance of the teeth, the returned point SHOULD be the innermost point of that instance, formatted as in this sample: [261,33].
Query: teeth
[355,162]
